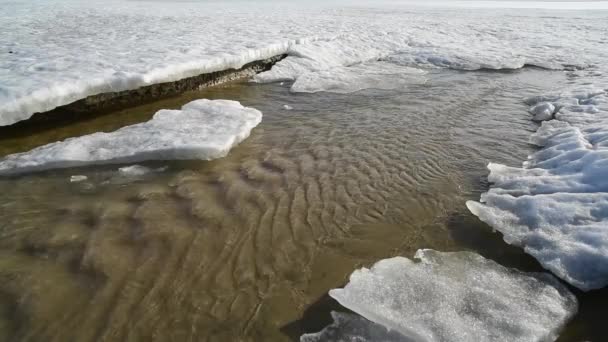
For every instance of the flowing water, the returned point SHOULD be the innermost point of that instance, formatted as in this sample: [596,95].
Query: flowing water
[247,246]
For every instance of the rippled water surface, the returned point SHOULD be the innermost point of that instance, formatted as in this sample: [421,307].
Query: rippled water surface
[246,247]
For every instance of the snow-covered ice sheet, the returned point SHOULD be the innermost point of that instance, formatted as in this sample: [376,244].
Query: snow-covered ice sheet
[54,52]
[458,296]
[556,205]
[202,129]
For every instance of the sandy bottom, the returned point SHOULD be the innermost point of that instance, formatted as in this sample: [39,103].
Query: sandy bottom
[246,247]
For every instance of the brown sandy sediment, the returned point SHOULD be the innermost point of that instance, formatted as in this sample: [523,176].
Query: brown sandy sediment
[104,103]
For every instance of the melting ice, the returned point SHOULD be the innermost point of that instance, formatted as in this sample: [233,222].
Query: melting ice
[556,205]
[457,296]
[202,129]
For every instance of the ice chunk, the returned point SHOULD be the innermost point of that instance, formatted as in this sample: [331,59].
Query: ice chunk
[202,129]
[78,178]
[138,170]
[542,111]
[349,327]
[458,297]
[134,170]
[556,205]
[376,75]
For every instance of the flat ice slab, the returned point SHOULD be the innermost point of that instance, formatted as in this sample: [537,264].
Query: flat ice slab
[202,129]
[458,296]
[556,205]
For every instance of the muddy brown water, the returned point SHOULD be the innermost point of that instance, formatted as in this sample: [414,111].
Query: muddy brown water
[246,247]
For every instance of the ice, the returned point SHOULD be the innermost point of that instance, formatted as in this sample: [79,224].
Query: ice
[54,52]
[138,170]
[556,205]
[78,178]
[542,111]
[287,107]
[349,327]
[202,129]
[378,75]
[458,296]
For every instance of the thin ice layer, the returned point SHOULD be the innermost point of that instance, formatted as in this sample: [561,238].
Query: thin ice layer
[377,75]
[129,44]
[556,205]
[202,129]
[350,327]
[458,297]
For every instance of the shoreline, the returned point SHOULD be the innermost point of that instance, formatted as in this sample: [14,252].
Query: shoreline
[103,103]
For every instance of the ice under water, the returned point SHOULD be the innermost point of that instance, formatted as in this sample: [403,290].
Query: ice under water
[247,246]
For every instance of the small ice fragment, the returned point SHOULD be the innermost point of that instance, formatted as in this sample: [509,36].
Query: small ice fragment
[287,107]
[542,111]
[134,170]
[78,178]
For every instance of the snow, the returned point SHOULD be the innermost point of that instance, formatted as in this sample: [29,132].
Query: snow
[458,296]
[57,51]
[556,204]
[202,129]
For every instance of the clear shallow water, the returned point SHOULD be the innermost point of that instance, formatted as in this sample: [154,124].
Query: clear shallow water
[246,247]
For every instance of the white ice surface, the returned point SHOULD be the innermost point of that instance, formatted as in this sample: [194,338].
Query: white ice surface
[458,296]
[556,205]
[54,52]
[202,129]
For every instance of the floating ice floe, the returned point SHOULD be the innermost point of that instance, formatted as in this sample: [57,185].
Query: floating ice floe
[457,296]
[138,170]
[202,129]
[542,111]
[78,178]
[556,205]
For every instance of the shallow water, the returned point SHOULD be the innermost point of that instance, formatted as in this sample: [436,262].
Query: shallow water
[246,247]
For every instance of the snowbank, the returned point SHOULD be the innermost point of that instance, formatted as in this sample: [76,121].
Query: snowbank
[556,205]
[457,297]
[202,129]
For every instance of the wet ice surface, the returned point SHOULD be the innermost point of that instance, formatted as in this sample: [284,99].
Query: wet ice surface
[351,327]
[457,297]
[556,205]
[201,129]
[128,44]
